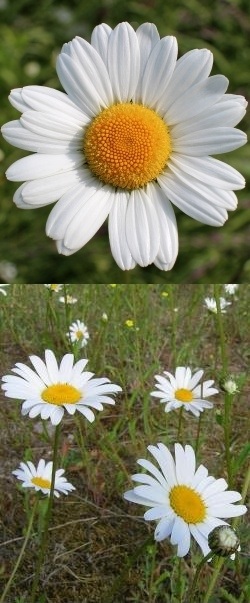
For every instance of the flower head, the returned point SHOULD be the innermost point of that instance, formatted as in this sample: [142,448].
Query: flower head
[224,541]
[231,289]
[40,478]
[51,389]
[210,303]
[185,501]
[133,134]
[54,287]
[183,389]
[2,289]
[78,332]
[68,300]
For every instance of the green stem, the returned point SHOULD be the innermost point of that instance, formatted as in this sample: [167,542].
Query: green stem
[44,537]
[179,425]
[227,404]
[218,565]
[197,442]
[191,591]
[20,556]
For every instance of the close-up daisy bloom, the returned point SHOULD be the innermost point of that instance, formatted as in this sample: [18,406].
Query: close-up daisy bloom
[184,500]
[132,134]
[40,477]
[78,332]
[184,389]
[51,389]
[210,304]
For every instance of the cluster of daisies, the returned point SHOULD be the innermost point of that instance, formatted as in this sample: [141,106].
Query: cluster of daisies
[182,498]
[131,137]
[210,302]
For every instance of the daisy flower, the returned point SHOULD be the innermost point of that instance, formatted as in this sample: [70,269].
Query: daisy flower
[50,389]
[231,289]
[40,478]
[132,135]
[55,288]
[185,501]
[78,332]
[2,290]
[183,389]
[210,303]
[69,299]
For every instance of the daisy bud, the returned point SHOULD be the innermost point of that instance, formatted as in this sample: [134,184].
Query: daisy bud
[224,541]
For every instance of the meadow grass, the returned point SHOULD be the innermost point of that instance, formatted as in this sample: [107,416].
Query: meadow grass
[100,549]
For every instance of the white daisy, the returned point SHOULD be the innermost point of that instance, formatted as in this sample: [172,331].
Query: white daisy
[183,390]
[2,290]
[133,134]
[231,289]
[54,287]
[78,332]
[184,500]
[51,389]
[210,303]
[69,299]
[40,478]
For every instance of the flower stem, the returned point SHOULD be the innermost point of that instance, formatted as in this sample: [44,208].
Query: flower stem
[218,565]
[190,598]
[20,556]
[44,537]
[228,397]
[179,425]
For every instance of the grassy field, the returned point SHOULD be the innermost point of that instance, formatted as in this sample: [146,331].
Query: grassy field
[31,37]
[100,549]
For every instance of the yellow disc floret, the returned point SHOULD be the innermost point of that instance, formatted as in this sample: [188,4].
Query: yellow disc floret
[187,504]
[184,395]
[61,393]
[127,145]
[41,482]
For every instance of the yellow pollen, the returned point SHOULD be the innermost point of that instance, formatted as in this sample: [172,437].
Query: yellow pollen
[127,145]
[61,393]
[187,504]
[184,395]
[79,334]
[42,483]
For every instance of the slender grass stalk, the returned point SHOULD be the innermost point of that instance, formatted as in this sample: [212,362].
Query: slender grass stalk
[228,397]
[190,598]
[179,438]
[20,556]
[44,536]
[197,440]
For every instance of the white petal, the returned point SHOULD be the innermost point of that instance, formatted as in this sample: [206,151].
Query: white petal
[192,202]
[157,73]
[53,125]
[43,191]
[132,497]
[168,249]
[123,61]
[191,68]
[52,366]
[219,197]
[164,528]
[209,170]
[166,463]
[99,40]
[223,113]
[196,99]
[65,369]
[22,138]
[156,512]
[68,206]
[42,98]
[148,37]
[42,165]
[16,100]
[117,235]
[210,142]
[142,228]
[89,214]
[200,538]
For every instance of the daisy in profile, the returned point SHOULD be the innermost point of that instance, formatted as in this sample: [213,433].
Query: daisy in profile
[68,300]
[231,289]
[184,500]
[132,134]
[50,389]
[78,332]
[184,389]
[55,288]
[210,303]
[40,478]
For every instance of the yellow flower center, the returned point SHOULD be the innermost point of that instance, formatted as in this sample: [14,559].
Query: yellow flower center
[188,504]
[184,395]
[61,393]
[42,483]
[127,145]
[79,334]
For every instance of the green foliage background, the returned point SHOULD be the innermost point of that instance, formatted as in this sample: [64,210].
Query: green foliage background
[31,36]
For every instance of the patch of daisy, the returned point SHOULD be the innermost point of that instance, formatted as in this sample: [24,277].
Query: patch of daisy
[68,300]
[51,389]
[78,332]
[39,478]
[166,116]
[210,304]
[55,288]
[184,501]
[184,389]
[231,289]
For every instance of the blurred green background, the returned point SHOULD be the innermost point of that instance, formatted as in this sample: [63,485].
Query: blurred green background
[31,36]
